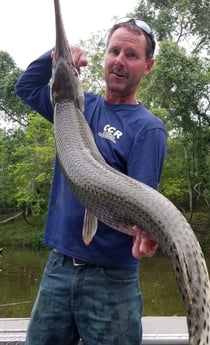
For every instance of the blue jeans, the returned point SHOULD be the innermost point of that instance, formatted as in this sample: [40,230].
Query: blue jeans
[100,305]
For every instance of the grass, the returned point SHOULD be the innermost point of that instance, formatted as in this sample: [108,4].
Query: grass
[201,226]
[29,233]
[22,233]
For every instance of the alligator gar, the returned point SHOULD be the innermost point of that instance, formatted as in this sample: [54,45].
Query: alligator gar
[120,201]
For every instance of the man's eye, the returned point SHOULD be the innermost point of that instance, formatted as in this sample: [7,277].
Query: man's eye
[131,55]
[114,52]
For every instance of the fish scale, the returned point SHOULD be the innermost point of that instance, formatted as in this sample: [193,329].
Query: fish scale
[120,201]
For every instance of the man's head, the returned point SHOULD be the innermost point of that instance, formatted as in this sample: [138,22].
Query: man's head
[138,26]
[128,58]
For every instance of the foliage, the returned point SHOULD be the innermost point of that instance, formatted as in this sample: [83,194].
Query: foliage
[29,233]
[177,90]
[178,84]
[92,77]
[11,107]
[27,163]
[22,233]
[182,21]
[173,184]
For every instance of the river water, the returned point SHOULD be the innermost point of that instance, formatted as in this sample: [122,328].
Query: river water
[21,271]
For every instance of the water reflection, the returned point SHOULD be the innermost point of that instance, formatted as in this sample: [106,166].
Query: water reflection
[159,287]
[20,274]
[21,271]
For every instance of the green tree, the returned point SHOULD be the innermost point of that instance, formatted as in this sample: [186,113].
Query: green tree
[11,107]
[177,91]
[173,183]
[93,76]
[181,21]
[27,158]
[9,141]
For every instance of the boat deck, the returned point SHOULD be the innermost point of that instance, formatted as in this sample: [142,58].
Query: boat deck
[170,330]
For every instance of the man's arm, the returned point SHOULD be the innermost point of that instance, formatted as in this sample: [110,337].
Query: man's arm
[33,86]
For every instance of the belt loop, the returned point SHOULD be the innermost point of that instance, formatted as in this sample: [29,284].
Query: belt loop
[61,256]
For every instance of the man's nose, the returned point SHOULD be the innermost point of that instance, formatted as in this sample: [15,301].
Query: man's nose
[120,59]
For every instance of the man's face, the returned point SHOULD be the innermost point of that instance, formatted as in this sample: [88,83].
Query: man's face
[125,62]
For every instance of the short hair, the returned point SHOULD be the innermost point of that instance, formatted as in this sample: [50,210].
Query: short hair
[132,26]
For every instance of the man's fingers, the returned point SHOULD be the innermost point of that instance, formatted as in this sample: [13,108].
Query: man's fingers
[143,244]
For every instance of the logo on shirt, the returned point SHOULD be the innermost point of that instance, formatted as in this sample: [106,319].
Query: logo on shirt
[110,133]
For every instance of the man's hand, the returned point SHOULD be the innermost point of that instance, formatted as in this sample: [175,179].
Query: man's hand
[143,244]
[79,57]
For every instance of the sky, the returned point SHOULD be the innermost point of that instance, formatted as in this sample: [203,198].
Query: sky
[27,26]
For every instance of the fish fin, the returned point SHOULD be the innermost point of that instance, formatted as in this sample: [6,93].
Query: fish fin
[90,225]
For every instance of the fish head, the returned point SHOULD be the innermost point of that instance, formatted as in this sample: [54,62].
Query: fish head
[65,82]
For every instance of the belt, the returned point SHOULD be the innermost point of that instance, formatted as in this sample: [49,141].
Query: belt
[76,262]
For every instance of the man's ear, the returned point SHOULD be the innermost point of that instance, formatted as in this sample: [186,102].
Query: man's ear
[150,64]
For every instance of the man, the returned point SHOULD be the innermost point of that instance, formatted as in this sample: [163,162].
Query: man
[92,292]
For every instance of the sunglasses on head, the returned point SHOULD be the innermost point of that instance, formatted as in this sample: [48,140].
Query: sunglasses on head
[141,25]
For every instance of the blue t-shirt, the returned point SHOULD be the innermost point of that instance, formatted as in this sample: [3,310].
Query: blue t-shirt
[130,138]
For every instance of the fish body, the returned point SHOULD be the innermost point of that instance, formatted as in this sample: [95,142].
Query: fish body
[120,201]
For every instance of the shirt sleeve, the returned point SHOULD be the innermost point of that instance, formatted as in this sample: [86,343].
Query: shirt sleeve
[147,157]
[33,86]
